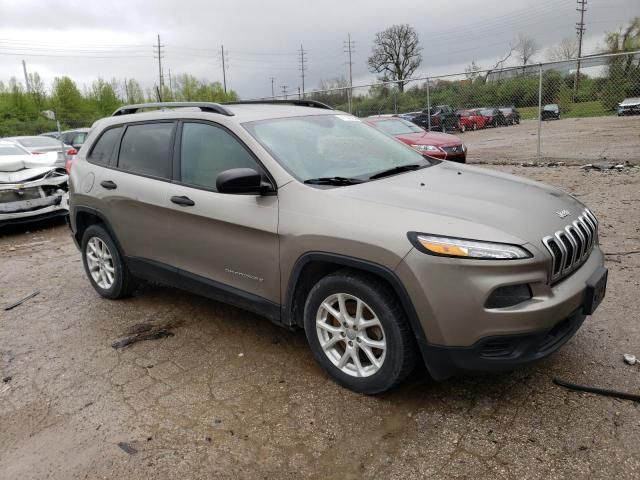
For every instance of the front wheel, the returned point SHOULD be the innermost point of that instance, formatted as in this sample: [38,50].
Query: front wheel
[358,332]
[103,264]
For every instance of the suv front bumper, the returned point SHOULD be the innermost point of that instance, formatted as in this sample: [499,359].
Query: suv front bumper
[461,334]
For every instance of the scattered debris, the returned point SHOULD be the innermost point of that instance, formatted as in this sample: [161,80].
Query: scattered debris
[597,390]
[630,359]
[241,354]
[22,300]
[5,389]
[630,252]
[6,379]
[127,448]
[145,335]
[603,166]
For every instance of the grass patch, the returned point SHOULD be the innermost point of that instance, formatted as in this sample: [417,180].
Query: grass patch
[575,110]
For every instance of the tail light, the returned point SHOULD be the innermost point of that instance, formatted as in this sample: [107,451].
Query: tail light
[71,152]
[67,165]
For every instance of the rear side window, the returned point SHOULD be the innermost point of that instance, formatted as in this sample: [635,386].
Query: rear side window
[206,151]
[103,149]
[146,149]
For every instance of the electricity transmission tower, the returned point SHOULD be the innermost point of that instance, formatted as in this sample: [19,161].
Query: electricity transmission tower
[349,46]
[273,90]
[159,54]
[303,65]
[284,90]
[580,28]
[224,69]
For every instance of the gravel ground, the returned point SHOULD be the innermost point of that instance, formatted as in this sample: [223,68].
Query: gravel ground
[231,395]
[571,140]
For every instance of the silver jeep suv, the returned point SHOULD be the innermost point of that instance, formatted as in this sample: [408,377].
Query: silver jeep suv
[316,220]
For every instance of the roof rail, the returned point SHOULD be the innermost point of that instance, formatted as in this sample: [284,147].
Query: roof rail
[203,106]
[299,103]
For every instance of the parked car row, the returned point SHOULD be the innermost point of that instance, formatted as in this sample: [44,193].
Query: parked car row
[443,118]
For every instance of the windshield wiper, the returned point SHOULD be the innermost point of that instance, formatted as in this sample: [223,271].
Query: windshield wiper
[398,169]
[333,181]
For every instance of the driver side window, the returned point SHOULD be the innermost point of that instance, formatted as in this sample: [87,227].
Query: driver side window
[206,151]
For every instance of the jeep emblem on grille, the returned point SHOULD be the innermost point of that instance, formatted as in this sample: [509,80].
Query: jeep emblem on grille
[563,213]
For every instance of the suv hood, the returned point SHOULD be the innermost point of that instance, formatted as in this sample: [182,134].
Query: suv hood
[471,202]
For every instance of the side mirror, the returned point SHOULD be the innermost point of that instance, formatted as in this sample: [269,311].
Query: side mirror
[242,181]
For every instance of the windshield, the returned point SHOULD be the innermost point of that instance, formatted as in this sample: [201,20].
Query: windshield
[487,111]
[12,150]
[397,126]
[38,142]
[331,146]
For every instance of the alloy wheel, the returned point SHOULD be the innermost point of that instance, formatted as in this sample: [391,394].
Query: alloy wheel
[351,335]
[100,263]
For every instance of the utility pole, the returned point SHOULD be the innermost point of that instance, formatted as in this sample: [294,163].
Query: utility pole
[224,71]
[170,85]
[158,54]
[26,76]
[303,65]
[580,28]
[349,46]
[273,91]
[284,91]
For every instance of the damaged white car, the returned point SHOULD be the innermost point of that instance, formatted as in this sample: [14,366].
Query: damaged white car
[32,187]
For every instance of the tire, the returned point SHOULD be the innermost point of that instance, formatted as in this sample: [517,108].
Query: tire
[387,326]
[103,264]
[474,126]
[463,128]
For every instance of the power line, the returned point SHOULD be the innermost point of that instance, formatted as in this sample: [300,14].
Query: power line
[349,45]
[224,70]
[580,28]
[158,53]
[303,65]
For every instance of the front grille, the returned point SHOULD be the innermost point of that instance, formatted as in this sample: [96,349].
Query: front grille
[570,247]
[455,150]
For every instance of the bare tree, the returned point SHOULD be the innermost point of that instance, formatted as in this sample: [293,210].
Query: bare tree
[500,63]
[526,47]
[567,49]
[396,54]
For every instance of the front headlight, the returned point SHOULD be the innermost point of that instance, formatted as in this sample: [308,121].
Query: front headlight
[426,148]
[464,248]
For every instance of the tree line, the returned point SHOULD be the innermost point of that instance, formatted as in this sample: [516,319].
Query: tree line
[21,107]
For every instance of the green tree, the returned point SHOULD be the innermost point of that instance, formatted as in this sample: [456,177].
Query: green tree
[67,101]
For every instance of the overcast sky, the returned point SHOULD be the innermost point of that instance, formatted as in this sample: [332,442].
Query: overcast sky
[89,39]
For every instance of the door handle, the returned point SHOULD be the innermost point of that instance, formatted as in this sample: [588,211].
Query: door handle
[184,201]
[108,184]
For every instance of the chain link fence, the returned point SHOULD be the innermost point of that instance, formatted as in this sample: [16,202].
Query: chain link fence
[574,111]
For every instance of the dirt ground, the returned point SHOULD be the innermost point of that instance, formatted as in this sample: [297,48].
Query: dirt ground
[571,140]
[231,395]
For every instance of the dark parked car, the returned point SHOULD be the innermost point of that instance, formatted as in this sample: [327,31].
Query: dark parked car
[493,117]
[550,112]
[511,115]
[443,118]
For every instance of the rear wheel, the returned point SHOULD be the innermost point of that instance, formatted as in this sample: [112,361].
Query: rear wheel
[358,332]
[103,264]
[474,126]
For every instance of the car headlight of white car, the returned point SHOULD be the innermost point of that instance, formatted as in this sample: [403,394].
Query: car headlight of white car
[426,148]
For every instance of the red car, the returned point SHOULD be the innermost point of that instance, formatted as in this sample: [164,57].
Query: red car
[430,144]
[471,120]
